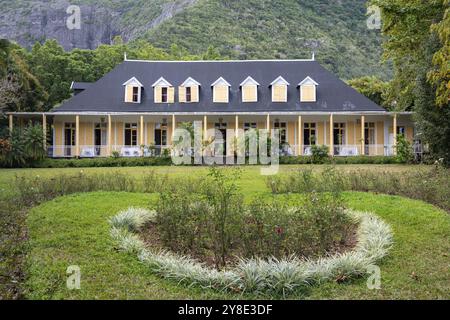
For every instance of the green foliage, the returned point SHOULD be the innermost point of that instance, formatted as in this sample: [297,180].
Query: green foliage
[85,217]
[268,29]
[104,162]
[342,160]
[404,149]
[20,90]
[319,154]
[406,25]
[433,123]
[439,76]
[22,147]
[373,88]
[417,42]
[211,219]
[214,221]
[431,185]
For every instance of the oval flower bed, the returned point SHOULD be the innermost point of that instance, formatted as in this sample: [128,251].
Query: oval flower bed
[268,275]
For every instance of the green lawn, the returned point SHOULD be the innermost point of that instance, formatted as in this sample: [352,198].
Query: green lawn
[251,180]
[73,230]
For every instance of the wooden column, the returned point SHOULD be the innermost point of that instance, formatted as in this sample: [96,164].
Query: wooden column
[141,131]
[236,126]
[77,136]
[268,122]
[331,135]
[205,128]
[300,137]
[44,130]
[363,138]
[11,123]
[174,125]
[394,131]
[109,138]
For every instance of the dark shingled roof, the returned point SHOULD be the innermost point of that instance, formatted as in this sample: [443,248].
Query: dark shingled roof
[107,94]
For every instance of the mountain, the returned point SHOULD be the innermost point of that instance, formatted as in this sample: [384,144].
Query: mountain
[240,29]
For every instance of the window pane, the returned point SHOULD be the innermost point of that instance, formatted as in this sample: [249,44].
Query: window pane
[188,94]
[164,94]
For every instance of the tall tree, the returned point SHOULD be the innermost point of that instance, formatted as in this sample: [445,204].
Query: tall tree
[417,42]
[440,74]
[407,25]
[373,88]
[20,90]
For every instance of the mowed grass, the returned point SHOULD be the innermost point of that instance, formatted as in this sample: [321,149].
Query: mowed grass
[251,179]
[74,230]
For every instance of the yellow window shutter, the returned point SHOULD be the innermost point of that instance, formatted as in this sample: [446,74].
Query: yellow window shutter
[279,93]
[308,93]
[221,94]
[249,93]
[171,95]
[158,94]
[195,94]
[182,94]
[129,94]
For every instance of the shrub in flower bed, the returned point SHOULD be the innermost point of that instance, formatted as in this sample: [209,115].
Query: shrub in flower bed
[269,276]
[215,225]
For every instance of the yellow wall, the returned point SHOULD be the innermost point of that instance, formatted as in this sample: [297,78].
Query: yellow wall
[410,134]
[350,129]
[291,133]
[319,133]
[119,127]
[150,133]
[380,132]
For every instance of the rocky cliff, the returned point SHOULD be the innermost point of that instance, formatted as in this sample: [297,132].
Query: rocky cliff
[100,21]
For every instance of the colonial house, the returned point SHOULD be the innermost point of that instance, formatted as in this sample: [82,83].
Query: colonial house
[141,103]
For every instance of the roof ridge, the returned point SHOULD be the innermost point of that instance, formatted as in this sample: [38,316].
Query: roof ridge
[223,61]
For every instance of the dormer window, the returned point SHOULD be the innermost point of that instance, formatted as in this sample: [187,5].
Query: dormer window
[308,92]
[164,92]
[221,91]
[188,94]
[249,90]
[279,89]
[133,91]
[189,91]
[135,94]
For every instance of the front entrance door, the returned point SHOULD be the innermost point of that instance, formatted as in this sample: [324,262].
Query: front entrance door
[369,138]
[220,141]
[69,138]
[99,137]
[160,138]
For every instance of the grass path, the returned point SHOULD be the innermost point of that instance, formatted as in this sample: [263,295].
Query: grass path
[73,230]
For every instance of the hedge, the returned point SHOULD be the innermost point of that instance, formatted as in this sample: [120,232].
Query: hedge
[167,161]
